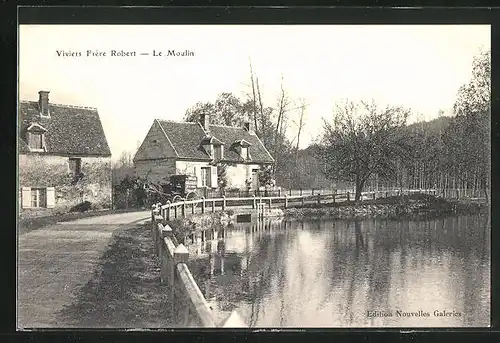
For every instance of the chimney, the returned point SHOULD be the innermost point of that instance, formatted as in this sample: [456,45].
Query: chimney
[205,121]
[43,103]
[248,127]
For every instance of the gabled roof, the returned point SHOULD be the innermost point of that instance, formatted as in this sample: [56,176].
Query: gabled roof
[71,130]
[211,140]
[242,142]
[187,138]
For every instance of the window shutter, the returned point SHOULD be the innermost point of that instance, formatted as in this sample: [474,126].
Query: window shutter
[26,197]
[198,172]
[213,179]
[51,197]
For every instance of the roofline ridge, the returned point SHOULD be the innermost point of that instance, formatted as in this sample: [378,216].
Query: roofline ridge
[74,106]
[176,122]
[59,105]
[228,126]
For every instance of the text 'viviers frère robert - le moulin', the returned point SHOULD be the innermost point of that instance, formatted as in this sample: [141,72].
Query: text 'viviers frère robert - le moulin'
[125,53]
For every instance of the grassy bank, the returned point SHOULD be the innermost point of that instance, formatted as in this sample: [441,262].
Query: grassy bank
[395,207]
[125,290]
[185,227]
[27,223]
[406,206]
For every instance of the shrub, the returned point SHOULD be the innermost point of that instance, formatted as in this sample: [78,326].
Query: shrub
[81,207]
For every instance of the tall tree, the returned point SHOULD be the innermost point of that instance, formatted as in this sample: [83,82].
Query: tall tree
[362,141]
[467,138]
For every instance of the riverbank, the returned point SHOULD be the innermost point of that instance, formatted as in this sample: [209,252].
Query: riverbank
[412,206]
[185,227]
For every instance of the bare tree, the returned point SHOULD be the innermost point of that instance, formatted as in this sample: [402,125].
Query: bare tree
[254,99]
[363,141]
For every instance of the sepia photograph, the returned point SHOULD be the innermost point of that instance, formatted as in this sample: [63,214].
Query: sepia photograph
[253,176]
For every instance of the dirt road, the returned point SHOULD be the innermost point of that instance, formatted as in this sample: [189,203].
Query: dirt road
[56,261]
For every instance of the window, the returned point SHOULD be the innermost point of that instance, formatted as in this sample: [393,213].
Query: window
[218,152]
[36,140]
[38,197]
[204,177]
[244,152]
[75,166]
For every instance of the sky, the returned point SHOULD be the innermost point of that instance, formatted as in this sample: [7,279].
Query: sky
[419,67]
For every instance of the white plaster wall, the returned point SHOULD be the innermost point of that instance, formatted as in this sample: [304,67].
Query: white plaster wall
[236,175]
[191,168]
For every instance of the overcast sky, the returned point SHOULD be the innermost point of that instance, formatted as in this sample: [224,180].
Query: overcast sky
[420,67]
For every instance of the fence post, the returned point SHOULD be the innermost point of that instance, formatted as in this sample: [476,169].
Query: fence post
[286,201]
[184,209]
[348,196]
[270,203]
[166,270]
[279,192]
[333,196]
[158,239]
[290,192]
[254,202]
[213,206]
[202,204]
[300,191]
[181,311]
[312,191]
[319,198]
[223,202]
[167,210]
[302,198]
[458,193]
[374,195]
[175,212]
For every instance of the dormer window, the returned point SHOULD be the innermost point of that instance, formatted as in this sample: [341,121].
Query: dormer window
[244,152]
[218,152]
[241,147]
[36,137]
[213,147]
[36,140]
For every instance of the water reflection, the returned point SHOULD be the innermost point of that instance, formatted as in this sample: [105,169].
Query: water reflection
[322,273]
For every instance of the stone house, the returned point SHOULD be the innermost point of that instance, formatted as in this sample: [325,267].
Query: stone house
[197,149]
[63,156]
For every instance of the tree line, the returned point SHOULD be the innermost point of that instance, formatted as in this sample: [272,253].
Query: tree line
[363,144]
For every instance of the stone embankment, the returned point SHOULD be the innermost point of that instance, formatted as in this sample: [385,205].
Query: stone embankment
[413,206]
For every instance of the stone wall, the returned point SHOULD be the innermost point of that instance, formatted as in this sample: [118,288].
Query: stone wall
[156,171]
[42,171]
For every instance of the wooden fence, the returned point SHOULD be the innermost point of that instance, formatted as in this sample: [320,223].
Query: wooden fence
[188,305]
[178,209]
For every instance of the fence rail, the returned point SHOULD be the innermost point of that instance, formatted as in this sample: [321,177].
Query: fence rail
[188,306]
[181,208]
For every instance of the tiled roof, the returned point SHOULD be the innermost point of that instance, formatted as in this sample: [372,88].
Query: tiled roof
[187,138]
[23,147]
[70,130]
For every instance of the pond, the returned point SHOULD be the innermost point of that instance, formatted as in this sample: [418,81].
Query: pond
[331,273]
